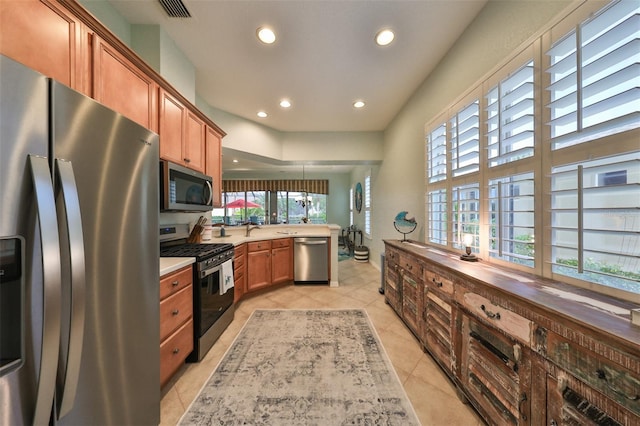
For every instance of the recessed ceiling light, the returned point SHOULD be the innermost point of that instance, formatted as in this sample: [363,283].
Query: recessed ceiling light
[266,35]
[358,104]
[384,37]
[262,114]
[235,161]
[285,103]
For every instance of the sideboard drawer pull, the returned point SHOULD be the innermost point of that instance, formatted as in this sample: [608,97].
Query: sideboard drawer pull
[600,373]
[490,314]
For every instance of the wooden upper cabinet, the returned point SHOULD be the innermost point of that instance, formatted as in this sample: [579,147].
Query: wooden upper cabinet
[45,37]
[182,133]
[213,165]
[194,143]
[123,87]
[172,114]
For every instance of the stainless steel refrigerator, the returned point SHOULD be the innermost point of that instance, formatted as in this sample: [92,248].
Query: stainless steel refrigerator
[79,258]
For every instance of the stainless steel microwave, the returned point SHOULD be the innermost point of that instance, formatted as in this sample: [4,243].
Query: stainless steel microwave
[183,189]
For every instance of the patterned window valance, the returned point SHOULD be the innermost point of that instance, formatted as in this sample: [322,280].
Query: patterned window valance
[313,186]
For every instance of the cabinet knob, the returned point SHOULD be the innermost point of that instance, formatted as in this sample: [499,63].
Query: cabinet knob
[176,350]
[186,160]
[175,312]
[175,283]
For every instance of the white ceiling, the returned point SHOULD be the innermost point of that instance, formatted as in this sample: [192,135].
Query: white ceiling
[323,60]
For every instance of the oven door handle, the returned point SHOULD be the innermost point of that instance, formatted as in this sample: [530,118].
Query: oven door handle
[210,271]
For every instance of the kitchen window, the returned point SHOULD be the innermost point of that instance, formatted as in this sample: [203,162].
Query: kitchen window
[367,205]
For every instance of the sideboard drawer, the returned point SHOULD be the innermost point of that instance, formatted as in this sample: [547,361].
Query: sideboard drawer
[600,373]
[509,322]
[438,282]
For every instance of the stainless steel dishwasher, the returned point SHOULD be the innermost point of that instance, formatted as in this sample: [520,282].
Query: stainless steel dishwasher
[311,260]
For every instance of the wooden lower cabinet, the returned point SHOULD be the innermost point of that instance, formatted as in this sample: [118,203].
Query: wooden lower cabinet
[514,360]
[258,265]
[239,271]
[176,321]
[269,262]
[281,260]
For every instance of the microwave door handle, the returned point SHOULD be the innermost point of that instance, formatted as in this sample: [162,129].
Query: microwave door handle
[51,281]
[209,201]
[69,368]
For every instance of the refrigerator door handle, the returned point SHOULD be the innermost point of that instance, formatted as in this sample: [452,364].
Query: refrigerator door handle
[69,366]
[51,280]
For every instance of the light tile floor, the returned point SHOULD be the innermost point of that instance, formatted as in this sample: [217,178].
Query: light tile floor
[433,396]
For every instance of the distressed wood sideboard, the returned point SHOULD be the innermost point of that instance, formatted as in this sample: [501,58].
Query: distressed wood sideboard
[522,349]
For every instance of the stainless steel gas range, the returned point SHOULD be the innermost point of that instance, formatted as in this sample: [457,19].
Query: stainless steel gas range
[213,290]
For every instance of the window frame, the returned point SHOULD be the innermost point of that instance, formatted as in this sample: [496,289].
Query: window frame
[543,160]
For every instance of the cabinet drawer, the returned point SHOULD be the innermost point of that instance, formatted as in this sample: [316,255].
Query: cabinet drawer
[175,310]
[176,281]
[511,323]
[174,350]
[392,256]
[259,246]
[602,374]
[240,250]
[410,265]
[281,242]
[238,261]
[438,282]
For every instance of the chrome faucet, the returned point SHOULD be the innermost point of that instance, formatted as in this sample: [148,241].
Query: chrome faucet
[250,228]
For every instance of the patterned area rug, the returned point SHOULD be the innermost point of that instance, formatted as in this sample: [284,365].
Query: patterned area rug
[294,367]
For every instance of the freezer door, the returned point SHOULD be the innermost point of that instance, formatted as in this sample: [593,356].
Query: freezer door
[27,214]
[115,167]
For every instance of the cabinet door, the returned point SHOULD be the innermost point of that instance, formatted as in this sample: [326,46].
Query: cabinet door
[496,372]
[123,87]
[570,402]
[213,163]
[411,302]
[194,142]
[392,285]
[258,269]
[239,275]
[281,264]
[172,130]
[44,37]
[436,329]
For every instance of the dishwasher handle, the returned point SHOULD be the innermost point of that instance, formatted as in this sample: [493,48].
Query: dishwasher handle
[312,243]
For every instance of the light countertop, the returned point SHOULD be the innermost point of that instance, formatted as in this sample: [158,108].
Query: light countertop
[171,264]
[236,235]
